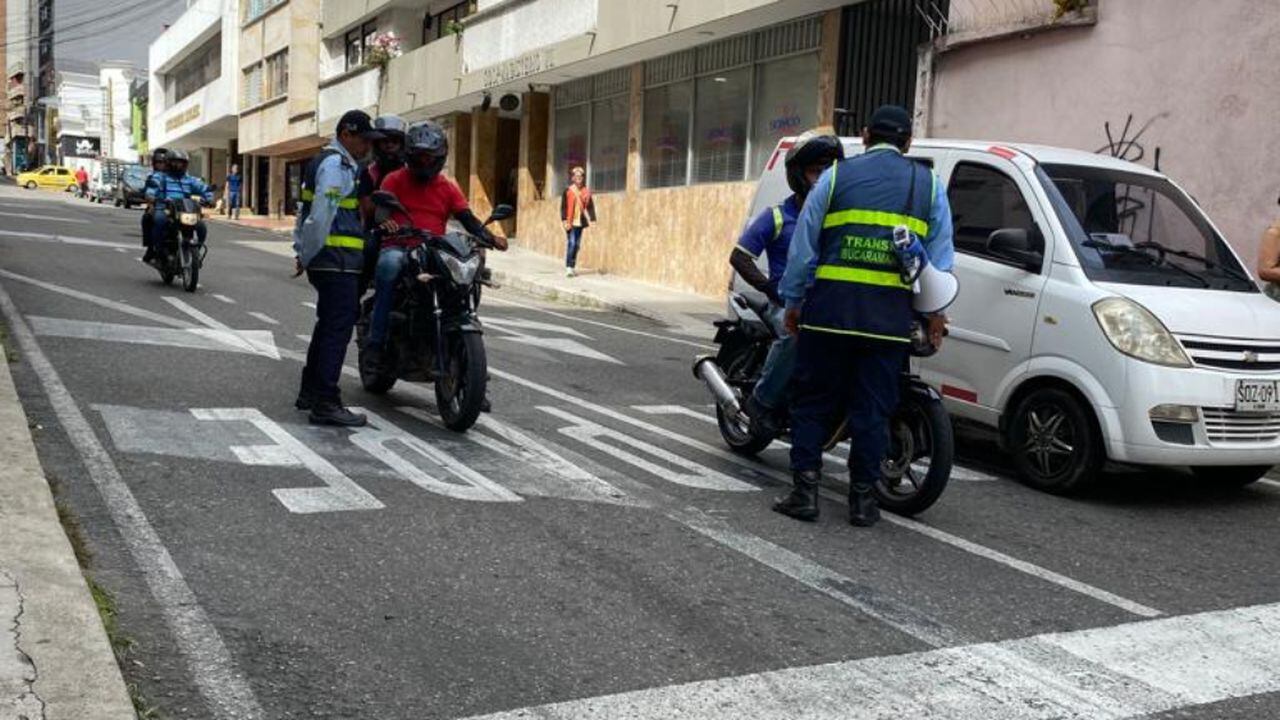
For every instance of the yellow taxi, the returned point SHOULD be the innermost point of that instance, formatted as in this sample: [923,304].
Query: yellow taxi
[50,177]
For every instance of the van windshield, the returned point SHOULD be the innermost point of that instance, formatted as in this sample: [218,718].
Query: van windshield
[1140,230]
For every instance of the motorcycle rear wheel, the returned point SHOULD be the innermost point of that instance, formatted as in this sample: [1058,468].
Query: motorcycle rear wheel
[460,387]
[921,453]
[739,436]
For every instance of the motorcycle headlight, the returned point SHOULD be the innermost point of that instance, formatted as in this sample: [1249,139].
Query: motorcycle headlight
[1134,331]
[462,271]
[188,218]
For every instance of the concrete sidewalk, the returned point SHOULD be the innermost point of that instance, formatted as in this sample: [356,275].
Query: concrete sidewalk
[55,659]
[544,276]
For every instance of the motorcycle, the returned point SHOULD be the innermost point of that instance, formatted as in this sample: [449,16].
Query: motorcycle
[182,254]
[434,333]
[918,465]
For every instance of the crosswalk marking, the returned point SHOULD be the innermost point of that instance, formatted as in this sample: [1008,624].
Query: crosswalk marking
[1124,671]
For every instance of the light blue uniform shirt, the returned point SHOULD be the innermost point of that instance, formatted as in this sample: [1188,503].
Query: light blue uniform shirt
[336,178]
[802,258]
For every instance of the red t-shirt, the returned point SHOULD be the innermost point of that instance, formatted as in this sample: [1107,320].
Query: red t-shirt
[430,204]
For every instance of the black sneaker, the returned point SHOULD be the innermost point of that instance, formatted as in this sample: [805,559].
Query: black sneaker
[864,511]
[334,414]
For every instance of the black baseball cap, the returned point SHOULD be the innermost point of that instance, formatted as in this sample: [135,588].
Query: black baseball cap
[358,122]
[891,119]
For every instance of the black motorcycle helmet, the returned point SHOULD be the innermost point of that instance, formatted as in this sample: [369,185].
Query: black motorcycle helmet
[388,150]
[426,149]
[811,148]
[158,158]
[177,161]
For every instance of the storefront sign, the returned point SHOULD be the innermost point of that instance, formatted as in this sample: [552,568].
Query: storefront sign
[75,146]
[182,118]
[528,64]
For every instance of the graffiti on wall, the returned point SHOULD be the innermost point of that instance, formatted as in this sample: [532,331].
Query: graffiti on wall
[1127,143]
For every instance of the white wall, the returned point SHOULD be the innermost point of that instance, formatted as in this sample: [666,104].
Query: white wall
[216,101]
[79,105]
[524,28]
[117,126]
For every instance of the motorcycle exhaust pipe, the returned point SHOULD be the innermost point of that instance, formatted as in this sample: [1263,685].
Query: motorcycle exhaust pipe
[706,370]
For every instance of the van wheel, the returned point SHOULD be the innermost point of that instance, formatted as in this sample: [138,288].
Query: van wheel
[1231,476]
[1055,446]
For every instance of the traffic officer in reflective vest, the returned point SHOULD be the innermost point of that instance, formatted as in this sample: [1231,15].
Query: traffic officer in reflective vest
[848,303]
[328,243]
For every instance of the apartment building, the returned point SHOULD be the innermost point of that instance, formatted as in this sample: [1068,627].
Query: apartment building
[78,126]
[115,81]
[17,56]
[193,86]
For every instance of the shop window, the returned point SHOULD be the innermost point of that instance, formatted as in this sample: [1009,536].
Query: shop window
[720,126]
[665,137]
[786,104]
[570,151]
[608,166]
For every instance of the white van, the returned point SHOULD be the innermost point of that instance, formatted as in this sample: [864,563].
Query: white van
[1101,317]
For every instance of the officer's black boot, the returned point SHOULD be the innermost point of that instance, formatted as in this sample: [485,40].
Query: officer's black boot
[802,502]
[864,511]
[329,412]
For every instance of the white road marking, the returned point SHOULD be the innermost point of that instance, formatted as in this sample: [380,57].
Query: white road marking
[53,218]
[756,467]
[66,240]
[1043,573]
[222,298]
[309,305]
[194,338]
[564,345]
[1269,482]
[617,328]
[518,324]
[120,250]
[304,338]
[1125,671]
[264,318]
[471,485]
[251,339]
[213,670]
[340,493]
[694,475]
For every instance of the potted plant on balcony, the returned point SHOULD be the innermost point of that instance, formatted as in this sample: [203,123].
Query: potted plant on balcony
[383,49]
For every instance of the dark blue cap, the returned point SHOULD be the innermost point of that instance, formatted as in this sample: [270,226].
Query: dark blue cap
[891,119]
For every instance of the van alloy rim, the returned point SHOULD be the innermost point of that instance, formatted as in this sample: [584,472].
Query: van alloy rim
[1048,446]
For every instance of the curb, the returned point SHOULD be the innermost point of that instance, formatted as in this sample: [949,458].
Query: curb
[55,658]
[580,298]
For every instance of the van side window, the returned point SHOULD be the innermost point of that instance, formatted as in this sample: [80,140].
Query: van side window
[984,200]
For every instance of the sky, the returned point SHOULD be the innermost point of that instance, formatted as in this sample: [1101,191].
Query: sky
[105,30]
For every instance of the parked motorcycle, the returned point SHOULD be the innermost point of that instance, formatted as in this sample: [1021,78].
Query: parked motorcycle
[918,465]
[434,333]
[182,254]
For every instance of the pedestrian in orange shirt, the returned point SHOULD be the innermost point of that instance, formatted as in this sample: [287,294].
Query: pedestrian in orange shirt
[577,211]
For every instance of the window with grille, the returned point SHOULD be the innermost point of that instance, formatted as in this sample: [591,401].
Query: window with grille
[276,75]
[591,129]
[251,86]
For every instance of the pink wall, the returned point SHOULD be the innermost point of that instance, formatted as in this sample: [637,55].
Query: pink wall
[1204,73]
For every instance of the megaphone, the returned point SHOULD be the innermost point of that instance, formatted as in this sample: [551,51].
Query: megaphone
[935,290]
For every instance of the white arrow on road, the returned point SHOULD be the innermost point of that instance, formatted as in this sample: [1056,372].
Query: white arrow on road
[250,342]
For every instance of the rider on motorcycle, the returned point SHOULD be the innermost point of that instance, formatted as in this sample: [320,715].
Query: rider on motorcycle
[770,234]
[431,199]
[173,184]
[158,158]
[388,156]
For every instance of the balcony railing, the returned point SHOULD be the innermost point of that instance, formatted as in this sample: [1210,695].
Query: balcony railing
[356,89]
[423,77]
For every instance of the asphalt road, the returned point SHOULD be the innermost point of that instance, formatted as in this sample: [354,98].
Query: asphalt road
[590,550]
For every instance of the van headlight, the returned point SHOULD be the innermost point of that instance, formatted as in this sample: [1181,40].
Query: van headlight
[1134,331]
[463,271]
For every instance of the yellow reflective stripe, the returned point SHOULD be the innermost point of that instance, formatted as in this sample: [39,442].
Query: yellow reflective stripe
[344,241]
[863,276]
[346,203]
[777,222]
[876,218]
[856,333]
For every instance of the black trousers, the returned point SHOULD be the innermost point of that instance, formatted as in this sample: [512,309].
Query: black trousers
[844,374]
[337,309]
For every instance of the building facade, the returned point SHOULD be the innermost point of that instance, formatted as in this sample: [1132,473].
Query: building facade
[193,84]
[78,124]
[115,81]
[19,134]
[1185,90]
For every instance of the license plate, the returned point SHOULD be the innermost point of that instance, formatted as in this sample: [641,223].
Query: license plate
[1257,395]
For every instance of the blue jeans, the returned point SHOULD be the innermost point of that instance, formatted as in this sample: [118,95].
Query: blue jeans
[233,199]
[336,313]
[390,263]
[858,376]
[575,242]
[775,378]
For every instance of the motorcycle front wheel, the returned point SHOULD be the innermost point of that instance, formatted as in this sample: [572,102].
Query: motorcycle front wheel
[190,258]
[460,386]
[921,453]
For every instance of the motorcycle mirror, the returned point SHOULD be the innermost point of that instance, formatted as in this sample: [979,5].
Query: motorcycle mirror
[501,212]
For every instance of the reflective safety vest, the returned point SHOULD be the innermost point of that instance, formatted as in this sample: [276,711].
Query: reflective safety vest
[344,247]
[857,287]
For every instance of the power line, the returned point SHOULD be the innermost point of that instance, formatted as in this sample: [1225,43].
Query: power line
[82,21]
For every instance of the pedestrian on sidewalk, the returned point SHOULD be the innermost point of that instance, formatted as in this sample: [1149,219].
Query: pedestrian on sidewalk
[82,180]
[577,212]
[328,243]
[234,182]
